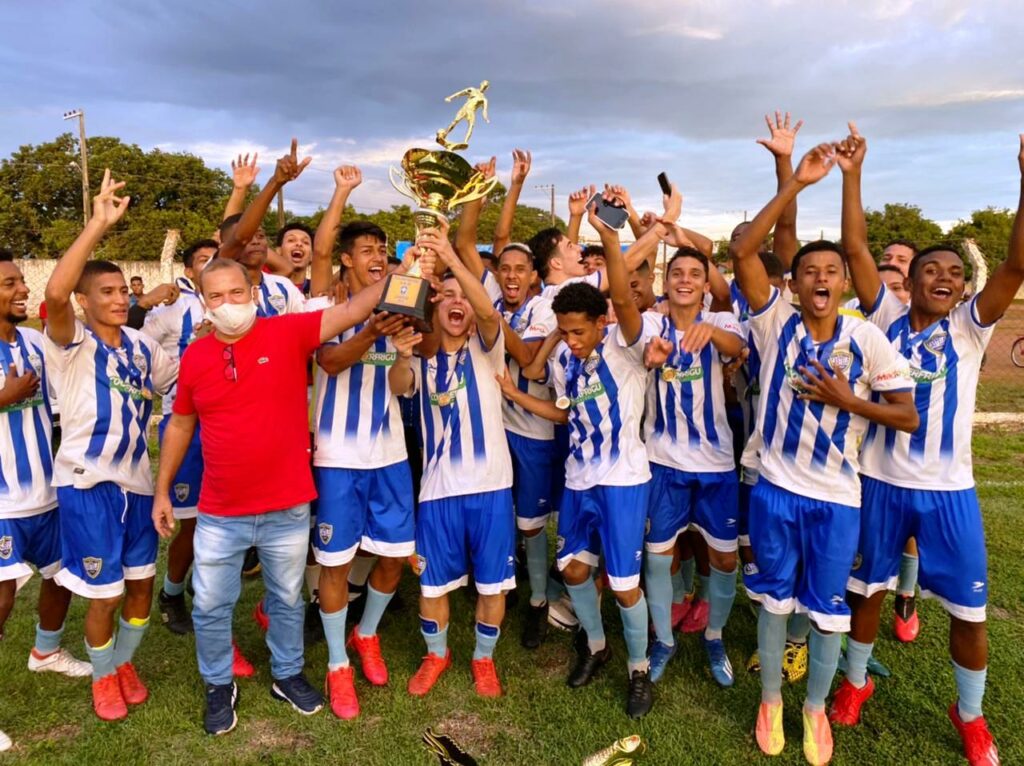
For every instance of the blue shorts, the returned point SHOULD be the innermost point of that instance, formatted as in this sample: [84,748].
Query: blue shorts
[107,537]
[605,519]
[30,540]
[950,543]
[558,466]
[743,516]
[456,533]
[189,478]
[532,462]
[803,549]
[367,508]
[708,501]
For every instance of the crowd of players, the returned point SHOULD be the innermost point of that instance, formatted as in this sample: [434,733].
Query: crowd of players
[671,439]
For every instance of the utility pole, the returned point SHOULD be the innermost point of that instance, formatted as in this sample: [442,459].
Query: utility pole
[551,188]
[280,208]
[86,202]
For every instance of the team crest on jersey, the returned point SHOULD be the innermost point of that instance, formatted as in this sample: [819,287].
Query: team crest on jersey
[326,532]
[857,561]
[840,361]
[750,569]
[591,364]
[6,546]
[937,343]
[140,361]
[559,544]
[181,492]
[278,302]
[36,362]
[419,565]
[93,566]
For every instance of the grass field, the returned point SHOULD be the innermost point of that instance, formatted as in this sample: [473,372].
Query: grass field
[539,721]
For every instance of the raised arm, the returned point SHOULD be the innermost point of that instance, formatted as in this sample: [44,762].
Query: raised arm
[346,178]
[243,176]
[1002,286]
[107,210]
[630,321]
[780,144]
[521,161]
[863,271]
[577,209]
[469,222]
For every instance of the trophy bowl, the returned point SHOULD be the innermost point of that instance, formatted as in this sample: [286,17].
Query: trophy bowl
[438,181]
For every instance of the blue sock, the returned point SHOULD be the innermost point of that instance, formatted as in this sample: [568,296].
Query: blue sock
[658,583]
[771,642]
[702,586]
[857,656]
[435,636]
[687,569]
[970,686]
[47,641]
[908,575]
[129,636]
[376,603]
[824,655]
[173,588]
[678,591]
[555,589]
[588,612]
[635,629]
[537,566]
[799,628]
[721,594]
[102,659]
[334,634]
[486,640]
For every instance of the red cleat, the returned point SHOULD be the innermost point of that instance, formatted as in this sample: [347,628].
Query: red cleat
[979,747]
[368,648]
[679,612]
[107,699]
[847,702]
[240,666]
[261,617]
[431,669]
[132,688]
[905,623]
[341,690]
[485,678]
[696,619]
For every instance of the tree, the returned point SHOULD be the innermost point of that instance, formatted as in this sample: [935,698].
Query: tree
[900,221]
[990,229]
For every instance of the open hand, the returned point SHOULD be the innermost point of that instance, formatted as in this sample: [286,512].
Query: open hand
[521,161]
[487,169]
[244,171]
[507,385]
[815,165]
[696,337]
[383,323]
[107,207]
[657,352]
[578,200]
[19,387]
[163,515]
[782,135]
[833,389]
[406,340]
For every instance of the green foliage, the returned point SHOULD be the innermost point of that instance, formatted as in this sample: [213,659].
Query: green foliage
[990,229]
[899,220]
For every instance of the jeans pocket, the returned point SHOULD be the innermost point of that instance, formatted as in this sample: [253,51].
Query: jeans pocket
[297,512]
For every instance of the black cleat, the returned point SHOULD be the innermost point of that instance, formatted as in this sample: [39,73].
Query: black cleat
[174,614]
[251,563]
[587,663]
[313,625]
[641,694]
[535,626]
[221,708]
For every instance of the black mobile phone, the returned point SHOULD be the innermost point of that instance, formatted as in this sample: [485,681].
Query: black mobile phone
[610,214]
[666,187]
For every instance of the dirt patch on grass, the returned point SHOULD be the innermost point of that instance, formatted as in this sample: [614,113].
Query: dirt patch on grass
[53,734]
[470,731]
[268,736]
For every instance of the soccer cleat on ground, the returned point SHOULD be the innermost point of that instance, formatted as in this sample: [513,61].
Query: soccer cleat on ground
[59,661]
[621,752]
[768,730]
[312,625]
[221,714]
[847,702]
[132,688]
[240,666]
[979,747]
[718,661]
[817,738]
[905,623]
[341,691]
[641,694]
[696,618]
[430,670]
[561,614]
[5,742]
[535,626]
[297,692]
[107,699]
[587,662]
[251,563]
[174,614]
[659,659]
[485,677]
[370,658]
[260,616]
[794,661]
[679,612]
[754,663]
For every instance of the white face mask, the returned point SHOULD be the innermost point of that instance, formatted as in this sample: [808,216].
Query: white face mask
[232,318]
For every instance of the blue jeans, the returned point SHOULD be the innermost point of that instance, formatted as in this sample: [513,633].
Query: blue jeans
[282,538]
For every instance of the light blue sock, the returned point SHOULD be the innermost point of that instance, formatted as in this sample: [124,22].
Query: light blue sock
[435,636]
[173,588]
[678,591]
[634,629]
[376,603]
[537,566]
[588,612]
[771,642]
[102,659]
[555,589]
[703,582]
[721,594]
[857,656]
[687,569]
[129,636]
[908,575]
[334,634]
[48,641]
[486,640]
[658,584]
[970,687]
[799,627]
[823,650]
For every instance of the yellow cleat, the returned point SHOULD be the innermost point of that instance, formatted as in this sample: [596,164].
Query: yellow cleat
[754,663]
[794,662]
[770,737]
[817,738]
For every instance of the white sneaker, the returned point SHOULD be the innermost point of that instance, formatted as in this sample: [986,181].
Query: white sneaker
[5,742]
[61,662]
[561,614]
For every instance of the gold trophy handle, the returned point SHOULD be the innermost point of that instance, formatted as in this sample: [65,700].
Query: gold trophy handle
[398,180]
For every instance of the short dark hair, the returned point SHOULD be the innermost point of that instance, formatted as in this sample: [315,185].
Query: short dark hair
[590,250]
[904,242]
[228,225]
[772,265]
[190,252]
[487,255]
[817,246]
[294,226]
[689,252]
[644,267]
[218,264]
[543,245]
[942,247]
[581,298]
[94,269]
[6,256]
[136,278]
[890,267]
[353,231]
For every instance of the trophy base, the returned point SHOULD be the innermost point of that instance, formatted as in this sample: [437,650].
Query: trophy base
[408,296]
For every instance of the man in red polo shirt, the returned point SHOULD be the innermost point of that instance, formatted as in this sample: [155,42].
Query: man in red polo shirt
[250,373]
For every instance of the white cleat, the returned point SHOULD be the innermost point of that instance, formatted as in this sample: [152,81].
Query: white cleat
[5,742]
[61,662]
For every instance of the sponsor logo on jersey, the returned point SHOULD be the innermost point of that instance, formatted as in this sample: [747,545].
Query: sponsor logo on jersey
[133,392]
[379,358]
[6,546]
[181,492]
[263,360]
[676,375]
[750,569]
[592,391]
[92,566]
[326,532]
[927,376]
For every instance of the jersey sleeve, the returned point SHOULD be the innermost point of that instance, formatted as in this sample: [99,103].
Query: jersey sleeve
[652,322]
[965,325]
[724,320]
[491,285]
[766,324]
[634,351]
[495,354]
[157,324]
[885,367]
[300,331]
[164,370]
[542,321]
[59,356]
[557,365]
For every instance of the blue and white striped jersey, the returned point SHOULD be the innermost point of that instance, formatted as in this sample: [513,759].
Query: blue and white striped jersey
[550,291]
[945,361]
[606,395]
[686,426]
[174,327]
[811,448]
[278,295]
[106,398]
[357,423]
[26,462]
[465,449]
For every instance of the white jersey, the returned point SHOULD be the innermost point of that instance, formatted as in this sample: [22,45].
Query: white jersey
[357,423]
[174,327]
[686,426]
[106,398]
[945,361]
[533,321]
[811,448]
[550,291]
[606,403]
[465,450]
[26,460]
[276,295]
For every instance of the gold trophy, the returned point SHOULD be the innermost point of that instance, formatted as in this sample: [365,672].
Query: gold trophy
[438,181]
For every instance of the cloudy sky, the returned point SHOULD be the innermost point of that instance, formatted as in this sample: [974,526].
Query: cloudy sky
[602,90]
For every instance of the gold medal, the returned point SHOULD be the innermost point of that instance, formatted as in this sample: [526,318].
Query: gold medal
[146,393]
[562,402]
[444,399]
[668,374]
